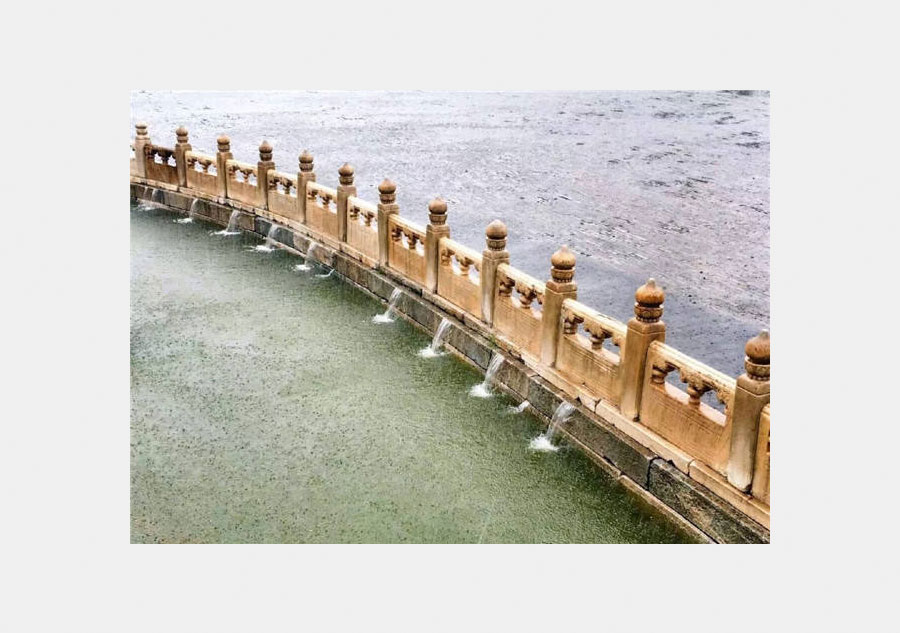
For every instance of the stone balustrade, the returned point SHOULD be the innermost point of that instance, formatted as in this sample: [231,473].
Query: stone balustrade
[621,368]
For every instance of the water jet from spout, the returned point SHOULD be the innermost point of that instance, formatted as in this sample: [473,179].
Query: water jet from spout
[544,441]
[511,410]
[232,228]
[190,215]
[387,315]
[483,389]
[434,349]
[270,244]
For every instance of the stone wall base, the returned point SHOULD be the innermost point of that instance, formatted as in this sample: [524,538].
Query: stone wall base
[645,472]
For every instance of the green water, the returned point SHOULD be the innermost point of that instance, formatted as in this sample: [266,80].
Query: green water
[267,407]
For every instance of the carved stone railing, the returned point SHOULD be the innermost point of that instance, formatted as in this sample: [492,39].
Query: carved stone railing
[760,487]
[517,314]
[407,251]
[581,356]
[242,182]
[283,195]
[458,278]
[362,227]
[160,164]
[321,209]
[201,173]
[681,416]
[618,368]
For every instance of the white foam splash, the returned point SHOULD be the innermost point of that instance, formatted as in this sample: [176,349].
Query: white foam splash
[388,315]
[183,220]
[517,410]
[483,390]
[434,350]
[480,391]
[303,267]
[542,444]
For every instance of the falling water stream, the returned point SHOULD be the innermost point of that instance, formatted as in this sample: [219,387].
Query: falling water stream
[483,389]
[270,244]
[306,265]
[434,349]
[232,228]
[387,315]
[544,441]
[190,215]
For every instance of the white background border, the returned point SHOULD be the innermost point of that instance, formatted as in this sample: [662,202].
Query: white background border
[67,561]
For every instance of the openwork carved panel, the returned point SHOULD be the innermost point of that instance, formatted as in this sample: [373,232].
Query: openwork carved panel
[458,276]
[582,358]
[407,248]
[362,227]
[680,416]
[517,314]
[201,172]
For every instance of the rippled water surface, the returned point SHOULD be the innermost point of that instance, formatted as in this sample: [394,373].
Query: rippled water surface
[673,185]
[267,407]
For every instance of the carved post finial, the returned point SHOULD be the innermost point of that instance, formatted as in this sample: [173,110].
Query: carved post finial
[649,298]
[560,287]
[140,130]
[181,147]
[346,174]
[750,396]
[306,161]
[756,361]
[265,151]
[224,143]
[387,191]
[437,212]
[562,265]
[495,235]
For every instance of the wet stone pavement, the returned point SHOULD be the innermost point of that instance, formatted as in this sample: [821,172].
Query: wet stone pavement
[673,185]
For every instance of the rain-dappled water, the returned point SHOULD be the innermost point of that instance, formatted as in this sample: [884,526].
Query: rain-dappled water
[267,407]
[672,185]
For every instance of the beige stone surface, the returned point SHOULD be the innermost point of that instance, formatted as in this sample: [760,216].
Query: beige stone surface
[240,178]
[680,416]
[455,283]
[160,164]
[407,248]
[201,173]
[760,486]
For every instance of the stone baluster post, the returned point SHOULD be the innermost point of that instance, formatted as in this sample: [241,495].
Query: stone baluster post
[263,167]
[304,176]
[491,258]
[222,156]
[181,147]
[344,191]
[386,207]
[750,396]
[436,229]
[141,140]
[645,327]
[560,287]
